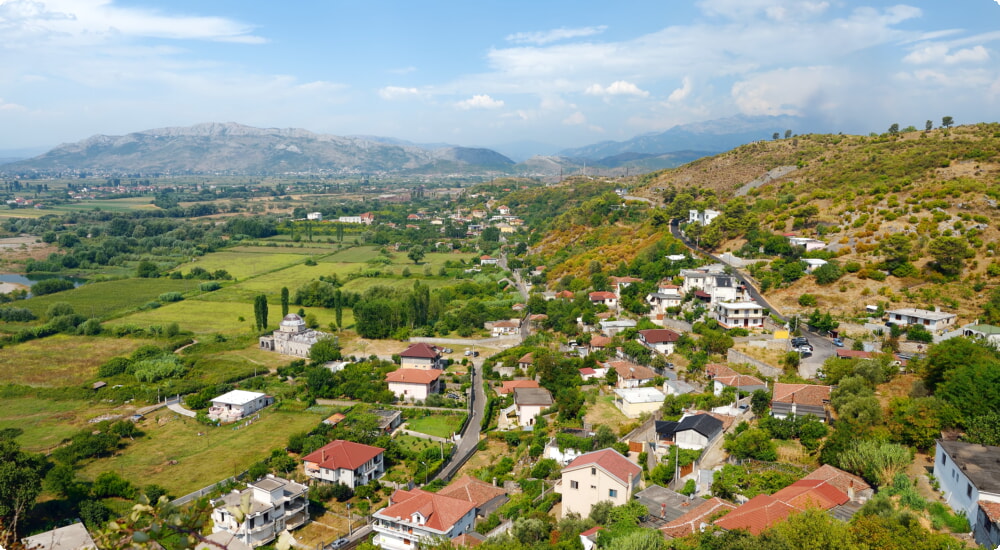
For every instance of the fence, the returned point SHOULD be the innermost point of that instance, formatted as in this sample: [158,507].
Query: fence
[763,368]
[206,490]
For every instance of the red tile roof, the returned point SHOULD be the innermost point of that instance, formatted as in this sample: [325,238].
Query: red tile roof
[421,350]
[609,460]
[839,479]
[586,371]
[659,335]
[728,377]
[812,493]
[473,490]
[342,455]
[802,394]
[591,531]
[508,386]
[599,341]
[335,419]
[692,520]
[565,294]
[620,280]
[440,512]
[759,513]
[602,295]
[413,376]
[527,358]
[853,353]
[466,540]
[630,371]
[992,510]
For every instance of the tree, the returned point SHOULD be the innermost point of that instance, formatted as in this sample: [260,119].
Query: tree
[947,121]
[20,484]
[752,443]
[983,429]
[895,251]
[760,401]
[788,133]
[416,253]
[260,311]
[325,349]
[894,129]
[147,270]
[878,462]
[776,135]
[284,301]
[949,254]
[928,126]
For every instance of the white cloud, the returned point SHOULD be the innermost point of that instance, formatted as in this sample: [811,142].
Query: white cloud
[554,35]
[776,10]
[939,53]
[4,106]
[680,94]
[619,87]
[798,91]
[575,119]
[391,93]
[480,101]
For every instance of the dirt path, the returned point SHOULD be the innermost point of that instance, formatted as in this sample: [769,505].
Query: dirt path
[923,465]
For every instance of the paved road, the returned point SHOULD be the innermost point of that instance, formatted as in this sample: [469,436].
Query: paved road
[470,437]
[177,408]
[822,348]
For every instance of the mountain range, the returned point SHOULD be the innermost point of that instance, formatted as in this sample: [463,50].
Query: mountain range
[231,148]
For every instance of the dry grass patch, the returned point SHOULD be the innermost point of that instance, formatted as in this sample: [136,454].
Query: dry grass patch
[61,360]
[605,412]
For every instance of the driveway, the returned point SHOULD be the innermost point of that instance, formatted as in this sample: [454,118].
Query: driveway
[469,438]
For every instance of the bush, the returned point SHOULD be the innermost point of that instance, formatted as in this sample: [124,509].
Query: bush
[16,314]
[110,484]
[113,367]
[171,297]
[51,286]
[807,300]
[209,286]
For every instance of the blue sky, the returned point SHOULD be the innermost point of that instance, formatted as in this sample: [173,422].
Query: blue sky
[486,72]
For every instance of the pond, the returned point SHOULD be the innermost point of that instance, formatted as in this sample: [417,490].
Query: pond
[29,280]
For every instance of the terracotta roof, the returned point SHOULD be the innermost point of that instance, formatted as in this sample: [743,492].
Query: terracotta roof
[335,419]
[630,371]
[992,510]
[619,280]
[659,335]
[527,358]
[421,350]
[702,294]
[802,394]
[853,353]
[692,520]
[508,386]
[343,455]
[812,493]
[591,531]
[609,460]
[838,478]
[538,317]
[473,490]
[440,512]
[587,370]
[564,294]
[602,295]
[599,341]
[728,377]
[759,513]
[485,257]
[466,540]
[413,376]
[506,324]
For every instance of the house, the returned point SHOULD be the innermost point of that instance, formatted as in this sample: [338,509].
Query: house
[662,503]
[525,362]
[565,295]
[70,537]
[486,497]
[800,400]
[667,296]
[413,384]
[595,477]
[346,462]
[349,219]
[529,403]
[692,431]
[292,337]
[604,297]
[270,505]
[508,386]
[621,283]
[367,218]
[418,518]
[421,356]
[983,332]
[614,327]
[599,342]
[234,405]
[509,327]
[634,402]
[334,419]
[807,243]
[702,217]
[717,286]
[933,321]
[631,375]
[812,264]
[969,475]
[588,538]
[587,373]
[695,519]
[503,210]
[678,387]
[739,314]
[764,511]
[660,340]
[388,420]
[488,260]
[723,377]
[221,540]
[315,216]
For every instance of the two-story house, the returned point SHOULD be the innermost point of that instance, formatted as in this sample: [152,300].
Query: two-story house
[269,506]
[739,314]
[660,340]
[723,377]
[595,477]
[421,519]
[346,462]
[529,403]
[933,321]
[969,475]
[631,375]
[800,400]
[421,356]
[413,384]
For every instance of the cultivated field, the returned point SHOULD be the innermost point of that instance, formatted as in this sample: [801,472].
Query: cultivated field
[61,360]
[111,298]
[47,422]
[246,261]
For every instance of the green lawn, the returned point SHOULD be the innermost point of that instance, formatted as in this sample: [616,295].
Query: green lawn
[206,317]
[46,423]
[111,298]
[441,425]
[61,360]
[201,459]
[362,284]
[245,262]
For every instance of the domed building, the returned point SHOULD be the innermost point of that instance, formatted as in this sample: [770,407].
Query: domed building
[292,337]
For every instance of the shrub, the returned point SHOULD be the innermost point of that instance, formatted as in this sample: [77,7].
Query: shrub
[113,366]
[51,286]
[16,314]
[171,297]
[807,300]
[209,286]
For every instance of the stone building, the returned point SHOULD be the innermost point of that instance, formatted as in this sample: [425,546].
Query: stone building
[292,337]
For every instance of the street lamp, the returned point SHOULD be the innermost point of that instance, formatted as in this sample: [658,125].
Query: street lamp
[425,471]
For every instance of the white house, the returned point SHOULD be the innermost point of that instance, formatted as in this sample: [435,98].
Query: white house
[666,296]
[508,327]
[660,340]
[595,477]
[933,321]
[71,537]
[604,297]
[621,283]
[417,519]
[723,377]
[292,337]
[346,462]
[703,217]
[678,387]
[983,332]
[413,384]
[631,375]
[634,402]
[488,260]
[232,406]
[809,244]
[739,314]
[696,431]
[349,219]
[270,506]
[812,264]
[315,216]
[969,475]
[529,403]
[614,327]
[421,356]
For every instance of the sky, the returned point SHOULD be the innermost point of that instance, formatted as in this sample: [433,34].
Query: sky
[486,72]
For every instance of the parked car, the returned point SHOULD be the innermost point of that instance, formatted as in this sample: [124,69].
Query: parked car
[468,353]
[475,354]
[340,543]
[453,396]
[838,342]
[447,350]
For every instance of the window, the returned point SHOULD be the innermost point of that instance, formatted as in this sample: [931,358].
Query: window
[944,460]
[574,484]
[593,471]
[613,493]
[968,490]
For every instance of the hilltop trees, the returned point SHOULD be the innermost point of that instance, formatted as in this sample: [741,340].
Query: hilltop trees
[946,122]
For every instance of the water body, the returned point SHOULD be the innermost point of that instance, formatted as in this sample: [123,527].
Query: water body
[30,279]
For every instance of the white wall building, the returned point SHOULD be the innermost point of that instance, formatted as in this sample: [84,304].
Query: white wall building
[739,314]
[933,321]
[273,505]
[346,462]
[703,217]
[420,519]
[292,337]
[595,477]
[232,406]
[969,475]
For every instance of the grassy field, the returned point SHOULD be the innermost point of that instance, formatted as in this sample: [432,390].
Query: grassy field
[362,284]
[293,278]
[605,412]
[46,422]
[246,262]
[441,425]
[110,298]
[61,360]
[201,459]
[206,317]
[109,205]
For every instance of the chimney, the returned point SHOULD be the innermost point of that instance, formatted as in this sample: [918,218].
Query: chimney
[663,510]
[850,490]
[494,481]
